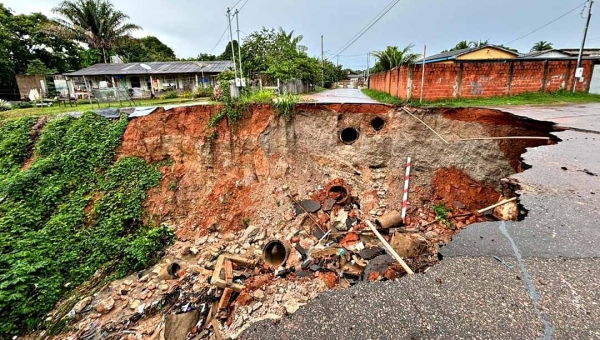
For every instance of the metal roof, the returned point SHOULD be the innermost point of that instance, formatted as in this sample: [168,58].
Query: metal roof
[168,67]
[450,55]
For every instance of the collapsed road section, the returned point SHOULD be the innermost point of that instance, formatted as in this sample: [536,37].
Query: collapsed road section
[270,212]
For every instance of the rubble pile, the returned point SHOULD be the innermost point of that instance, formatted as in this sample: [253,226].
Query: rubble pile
[219,284]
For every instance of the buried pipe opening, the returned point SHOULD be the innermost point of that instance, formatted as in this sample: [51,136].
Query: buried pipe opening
[173,269]
[275,253]
[349,135]
[377,123]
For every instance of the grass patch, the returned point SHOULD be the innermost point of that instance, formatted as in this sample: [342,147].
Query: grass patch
[383,97]
[55,110]
[532,98]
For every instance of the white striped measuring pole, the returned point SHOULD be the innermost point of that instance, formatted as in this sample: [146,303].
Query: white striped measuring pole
[405,198]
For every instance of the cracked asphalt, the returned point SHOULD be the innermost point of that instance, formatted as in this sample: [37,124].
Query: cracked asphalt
[551,291]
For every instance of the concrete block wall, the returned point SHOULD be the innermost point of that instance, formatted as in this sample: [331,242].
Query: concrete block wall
[481,79]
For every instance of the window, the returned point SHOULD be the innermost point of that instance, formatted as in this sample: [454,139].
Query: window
[135,82]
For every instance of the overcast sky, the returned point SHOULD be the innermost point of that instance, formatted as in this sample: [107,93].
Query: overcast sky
[191,27]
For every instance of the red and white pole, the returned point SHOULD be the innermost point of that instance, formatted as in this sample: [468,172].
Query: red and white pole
[405,198]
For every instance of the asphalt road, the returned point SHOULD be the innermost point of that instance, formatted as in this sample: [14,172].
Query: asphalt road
[342,96]
[550,291]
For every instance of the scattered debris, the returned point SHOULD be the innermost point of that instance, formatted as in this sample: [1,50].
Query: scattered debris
[503,262]
[223,282]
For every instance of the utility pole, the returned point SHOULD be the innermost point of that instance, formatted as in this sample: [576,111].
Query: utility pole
[368,65]
[237,20]
[423,73]
[231,41]
[337,60]
[322,64]
[585,30]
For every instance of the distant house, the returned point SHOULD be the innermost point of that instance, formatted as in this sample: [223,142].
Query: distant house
[143,80]
[564,53]
[475,53]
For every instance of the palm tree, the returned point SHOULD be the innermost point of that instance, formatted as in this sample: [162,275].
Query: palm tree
[479,43]
[393,57]
[93,22]
[289,41]
[542,46]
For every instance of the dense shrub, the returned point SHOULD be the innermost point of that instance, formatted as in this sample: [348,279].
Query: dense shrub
[204,92]
[73,211]
[170,95]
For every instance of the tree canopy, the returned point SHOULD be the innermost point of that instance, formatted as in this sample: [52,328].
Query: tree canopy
[26,46]
[393,57]
[145,49]
[280,54]
[542,46]
[95,23]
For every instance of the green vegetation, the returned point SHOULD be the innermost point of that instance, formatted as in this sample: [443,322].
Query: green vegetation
[80,21]
[169,95]
[393,57]
[260,97]
[72,212]
[5,106]
[533,98]
[441,213]
[286,105]
[541,45]
[383,97]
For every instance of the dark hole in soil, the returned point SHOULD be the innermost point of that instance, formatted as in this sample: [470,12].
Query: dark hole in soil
[338,193]
[349,136]
[377,123]
[275,253]
[173,268]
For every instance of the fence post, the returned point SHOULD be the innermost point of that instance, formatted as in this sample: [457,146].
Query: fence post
[411,72]
[545,78]
[511,70]
[459,81]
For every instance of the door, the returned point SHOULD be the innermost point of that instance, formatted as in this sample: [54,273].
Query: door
[595,84]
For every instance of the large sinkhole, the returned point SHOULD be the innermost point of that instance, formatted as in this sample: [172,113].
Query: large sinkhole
[297,194]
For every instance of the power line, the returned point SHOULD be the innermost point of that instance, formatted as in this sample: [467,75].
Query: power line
[221,38]
[226,28]
[369,25]
[547,24]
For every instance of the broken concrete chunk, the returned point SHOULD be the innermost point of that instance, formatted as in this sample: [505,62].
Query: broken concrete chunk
[105,305]
[328,204]
[308,205]
[508,211]
[371,253]
[408,245]
[177,326]
[291,306]
[339,221]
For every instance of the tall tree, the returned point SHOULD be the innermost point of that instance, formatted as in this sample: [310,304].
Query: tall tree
[144,50]
[464,44]
[542,46]
[393,56]
[227,55]
[25,47]
[93,22]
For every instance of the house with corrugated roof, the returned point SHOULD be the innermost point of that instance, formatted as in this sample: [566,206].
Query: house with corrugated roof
[474,53]
[144,80]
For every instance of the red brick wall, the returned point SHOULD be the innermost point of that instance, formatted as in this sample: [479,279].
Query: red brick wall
[481,79]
